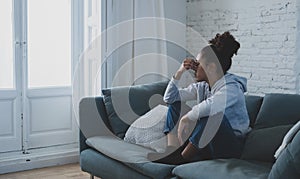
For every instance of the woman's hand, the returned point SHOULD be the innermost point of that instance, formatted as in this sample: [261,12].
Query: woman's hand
[187,64]
[183,129]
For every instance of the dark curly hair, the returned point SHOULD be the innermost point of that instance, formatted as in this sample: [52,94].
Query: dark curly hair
[224,47]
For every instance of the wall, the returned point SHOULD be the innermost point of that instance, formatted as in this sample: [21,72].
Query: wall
[267,32]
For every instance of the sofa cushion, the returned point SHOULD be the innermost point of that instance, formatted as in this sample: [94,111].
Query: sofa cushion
[223,169]
[131,155]
[288,163]
[126,104]
[147,130]
[99,165]
[118,149]
[253,104]
[152,169]
[278,109]
[261,144]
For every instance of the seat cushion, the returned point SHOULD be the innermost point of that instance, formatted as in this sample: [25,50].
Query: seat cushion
[125,104]
[99,165]
[278,109]
[131,155]
[152,169]
[261,144]
[288,163]
[118,149]
[223,169]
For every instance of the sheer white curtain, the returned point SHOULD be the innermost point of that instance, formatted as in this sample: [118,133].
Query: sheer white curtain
[150,46]
[136,50]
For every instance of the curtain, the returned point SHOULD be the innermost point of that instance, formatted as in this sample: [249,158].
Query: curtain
[136,46]
[150,48]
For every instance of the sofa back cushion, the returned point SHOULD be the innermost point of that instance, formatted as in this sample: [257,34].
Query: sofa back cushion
[278,109]
[253,104]
[125,104]
[261,144]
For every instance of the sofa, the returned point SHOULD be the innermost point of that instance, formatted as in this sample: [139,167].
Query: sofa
[104,154]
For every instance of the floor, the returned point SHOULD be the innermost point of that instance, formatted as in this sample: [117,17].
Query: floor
[70,171]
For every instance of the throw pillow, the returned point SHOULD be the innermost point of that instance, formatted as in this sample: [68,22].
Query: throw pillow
[261,144]
[288,163]
[125,104]
[148,129]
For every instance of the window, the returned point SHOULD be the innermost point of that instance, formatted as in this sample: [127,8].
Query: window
[49,43]
[6,45]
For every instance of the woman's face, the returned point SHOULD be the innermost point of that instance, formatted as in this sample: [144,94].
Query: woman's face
[200,73]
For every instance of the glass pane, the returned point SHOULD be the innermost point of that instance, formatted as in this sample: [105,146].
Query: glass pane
[49,43]
[6,45]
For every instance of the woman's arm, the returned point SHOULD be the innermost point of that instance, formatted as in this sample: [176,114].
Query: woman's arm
[173,93]
[210,106]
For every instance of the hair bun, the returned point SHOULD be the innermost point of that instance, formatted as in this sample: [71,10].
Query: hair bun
[225,44]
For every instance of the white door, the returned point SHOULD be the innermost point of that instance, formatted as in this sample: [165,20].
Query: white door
[35,74]
[47,75]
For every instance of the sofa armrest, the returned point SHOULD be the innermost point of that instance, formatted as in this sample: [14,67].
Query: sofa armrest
[93,120]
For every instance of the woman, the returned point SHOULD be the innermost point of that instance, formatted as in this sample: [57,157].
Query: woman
[220,101]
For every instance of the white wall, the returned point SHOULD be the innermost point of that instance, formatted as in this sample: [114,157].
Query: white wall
[267,31]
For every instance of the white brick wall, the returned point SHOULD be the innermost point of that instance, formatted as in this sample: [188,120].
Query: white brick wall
[267,32]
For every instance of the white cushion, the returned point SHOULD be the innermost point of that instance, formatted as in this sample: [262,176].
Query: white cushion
[147,130]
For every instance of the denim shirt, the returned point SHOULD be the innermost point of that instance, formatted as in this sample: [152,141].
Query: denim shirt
[226,96]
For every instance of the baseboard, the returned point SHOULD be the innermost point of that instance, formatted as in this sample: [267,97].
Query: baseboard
[40,158]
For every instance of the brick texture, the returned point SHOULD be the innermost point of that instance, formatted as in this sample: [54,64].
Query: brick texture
[267,31]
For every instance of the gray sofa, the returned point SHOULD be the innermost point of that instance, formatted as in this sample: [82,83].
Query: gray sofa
[103,153]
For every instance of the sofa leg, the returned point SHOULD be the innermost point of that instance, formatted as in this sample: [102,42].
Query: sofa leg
[91,176]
